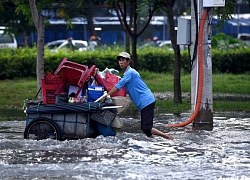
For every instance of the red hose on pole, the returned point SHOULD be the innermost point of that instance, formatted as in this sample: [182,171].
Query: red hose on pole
[201,76]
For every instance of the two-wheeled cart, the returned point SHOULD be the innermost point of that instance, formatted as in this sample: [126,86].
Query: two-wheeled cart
[68,121]
[57,118]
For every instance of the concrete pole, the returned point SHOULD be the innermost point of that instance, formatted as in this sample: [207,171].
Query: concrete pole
[204,119]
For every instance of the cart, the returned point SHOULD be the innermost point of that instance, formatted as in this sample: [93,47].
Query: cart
[56,118]
[68,121]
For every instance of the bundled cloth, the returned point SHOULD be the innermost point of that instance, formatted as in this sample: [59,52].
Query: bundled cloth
[121,101]
[117,123]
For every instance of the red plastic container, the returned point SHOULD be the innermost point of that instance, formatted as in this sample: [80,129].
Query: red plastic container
[50,84]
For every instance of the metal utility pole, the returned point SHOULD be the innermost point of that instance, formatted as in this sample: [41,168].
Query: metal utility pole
[201,44]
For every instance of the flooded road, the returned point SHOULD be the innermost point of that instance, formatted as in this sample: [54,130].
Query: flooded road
[223,153]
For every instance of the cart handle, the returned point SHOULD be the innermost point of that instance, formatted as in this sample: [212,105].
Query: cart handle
[104,95]
[111,107]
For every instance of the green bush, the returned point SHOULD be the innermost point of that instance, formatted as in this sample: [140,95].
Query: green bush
[19,63]
[234,61]
[153,59]
[224,42]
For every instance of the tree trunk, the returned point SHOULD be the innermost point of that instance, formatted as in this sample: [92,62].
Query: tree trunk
[25,39]
[133,22]
[40,53]
[127,42]
[177,55]
[90,19]
[134,52]
[40,27]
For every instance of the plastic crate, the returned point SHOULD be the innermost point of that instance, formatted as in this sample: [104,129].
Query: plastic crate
[50,84]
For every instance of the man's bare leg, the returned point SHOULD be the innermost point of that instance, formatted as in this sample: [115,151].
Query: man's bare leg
[159,133]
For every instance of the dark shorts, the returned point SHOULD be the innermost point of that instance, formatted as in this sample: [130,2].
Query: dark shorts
[147,116]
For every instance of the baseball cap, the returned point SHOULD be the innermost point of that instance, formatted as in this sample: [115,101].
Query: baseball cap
[124,55]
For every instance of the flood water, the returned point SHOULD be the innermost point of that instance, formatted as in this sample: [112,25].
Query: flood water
[223,153]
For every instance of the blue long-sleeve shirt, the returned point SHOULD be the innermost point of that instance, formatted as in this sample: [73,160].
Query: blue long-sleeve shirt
[137,89]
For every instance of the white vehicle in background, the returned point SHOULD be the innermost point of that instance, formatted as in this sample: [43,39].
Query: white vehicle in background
[7,40]
[244,37]
[165,44]
[169,45]
[78,45]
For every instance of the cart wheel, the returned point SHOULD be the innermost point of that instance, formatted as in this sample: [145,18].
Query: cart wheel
[42,128]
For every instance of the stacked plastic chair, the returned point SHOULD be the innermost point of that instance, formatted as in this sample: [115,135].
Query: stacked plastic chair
[74,74]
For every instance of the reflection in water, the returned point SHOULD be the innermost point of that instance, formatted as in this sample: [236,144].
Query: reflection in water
[223,153]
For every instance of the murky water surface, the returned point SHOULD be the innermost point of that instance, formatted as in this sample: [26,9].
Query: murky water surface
[223,153]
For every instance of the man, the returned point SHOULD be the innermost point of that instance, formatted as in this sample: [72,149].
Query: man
[92,43]
[140,94]
[155,39]
[70,46]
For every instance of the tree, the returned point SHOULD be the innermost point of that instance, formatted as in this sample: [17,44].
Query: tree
[33,9]
[88,7]
[131,26]
[132,30]
[29,8]
[80,8]
[223,12]
[177,64]
[145,10]
[40,27]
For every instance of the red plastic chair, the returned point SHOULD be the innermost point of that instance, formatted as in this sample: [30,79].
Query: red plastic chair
[65,62]
[74,74]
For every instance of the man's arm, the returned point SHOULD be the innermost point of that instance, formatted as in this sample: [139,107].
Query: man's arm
[113,90]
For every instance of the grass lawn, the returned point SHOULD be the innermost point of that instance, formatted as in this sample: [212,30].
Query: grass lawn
[14,92]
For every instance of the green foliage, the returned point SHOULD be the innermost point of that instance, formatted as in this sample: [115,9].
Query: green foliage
[155,59]
[231,61]
[223,42]
[17,63]
[21,63]
[225,13]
